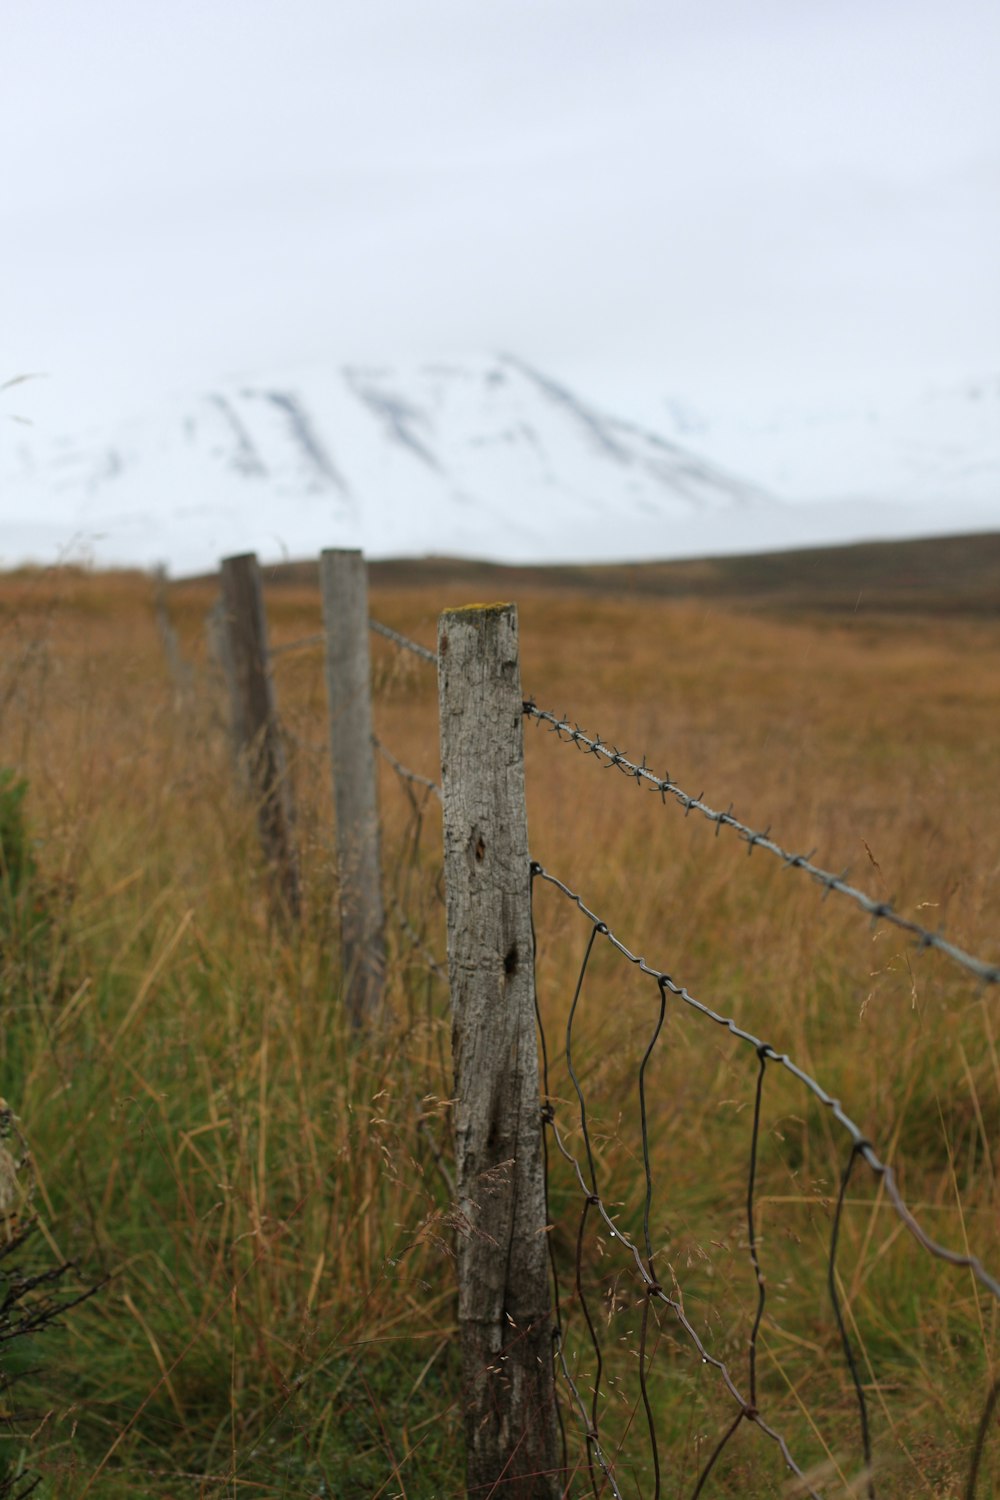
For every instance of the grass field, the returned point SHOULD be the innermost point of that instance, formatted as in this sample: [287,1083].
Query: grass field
[268,1194]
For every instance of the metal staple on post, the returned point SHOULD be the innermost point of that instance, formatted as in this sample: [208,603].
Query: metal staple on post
[504,1299]
[344,587]
[256,736]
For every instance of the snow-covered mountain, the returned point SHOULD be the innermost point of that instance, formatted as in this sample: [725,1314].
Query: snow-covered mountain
[485,457]
[938,448]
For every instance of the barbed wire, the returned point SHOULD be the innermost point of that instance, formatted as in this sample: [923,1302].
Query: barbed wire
[407,868]
[418,790]
[300,645]
[610,756]
[403,641]
[860,1149]
[404,772]
[646,1270]
[860,1142]
[600,1459]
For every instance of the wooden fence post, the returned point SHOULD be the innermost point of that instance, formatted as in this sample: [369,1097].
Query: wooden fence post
[504,1297]
[344,586]
[255,725]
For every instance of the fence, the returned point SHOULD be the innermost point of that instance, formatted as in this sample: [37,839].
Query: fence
[508,1129]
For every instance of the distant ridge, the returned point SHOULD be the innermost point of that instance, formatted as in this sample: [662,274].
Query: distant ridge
[954,575]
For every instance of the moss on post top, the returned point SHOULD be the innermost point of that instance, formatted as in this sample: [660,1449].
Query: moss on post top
[479,616]
[480,609]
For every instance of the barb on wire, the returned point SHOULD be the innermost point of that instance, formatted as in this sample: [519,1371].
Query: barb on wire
[610,756]
[404,772]
[585,1171]
[403,641]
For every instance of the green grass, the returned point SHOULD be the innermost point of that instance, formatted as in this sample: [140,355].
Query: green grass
[263,1187]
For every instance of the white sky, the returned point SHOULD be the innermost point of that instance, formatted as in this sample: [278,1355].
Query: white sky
[733,201]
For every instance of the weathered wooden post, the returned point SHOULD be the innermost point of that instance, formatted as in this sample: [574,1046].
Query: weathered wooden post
[344,587]
[255,725]
[504,1298]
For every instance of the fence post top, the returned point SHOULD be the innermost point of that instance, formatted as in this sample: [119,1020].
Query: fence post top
[238,557]
[341,552]
[476,613]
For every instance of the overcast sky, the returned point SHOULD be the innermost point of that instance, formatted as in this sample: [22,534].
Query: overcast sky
[724,201]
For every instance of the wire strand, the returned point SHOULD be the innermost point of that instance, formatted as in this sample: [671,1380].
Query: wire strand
[883,911]
[403,641]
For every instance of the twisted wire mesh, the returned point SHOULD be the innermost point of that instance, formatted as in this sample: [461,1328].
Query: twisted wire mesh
[601,1465]
[597,1209]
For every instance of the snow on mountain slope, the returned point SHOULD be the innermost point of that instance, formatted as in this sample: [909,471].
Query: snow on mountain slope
[940,447]
[485,457]
[482,458]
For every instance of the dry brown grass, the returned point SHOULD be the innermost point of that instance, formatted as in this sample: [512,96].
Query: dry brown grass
[276,1222]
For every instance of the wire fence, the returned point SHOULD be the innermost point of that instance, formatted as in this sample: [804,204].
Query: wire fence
[418,789]
[644,1258]
[405,774]
[306,642]
[596,1196]
[409,866]
[416,902]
